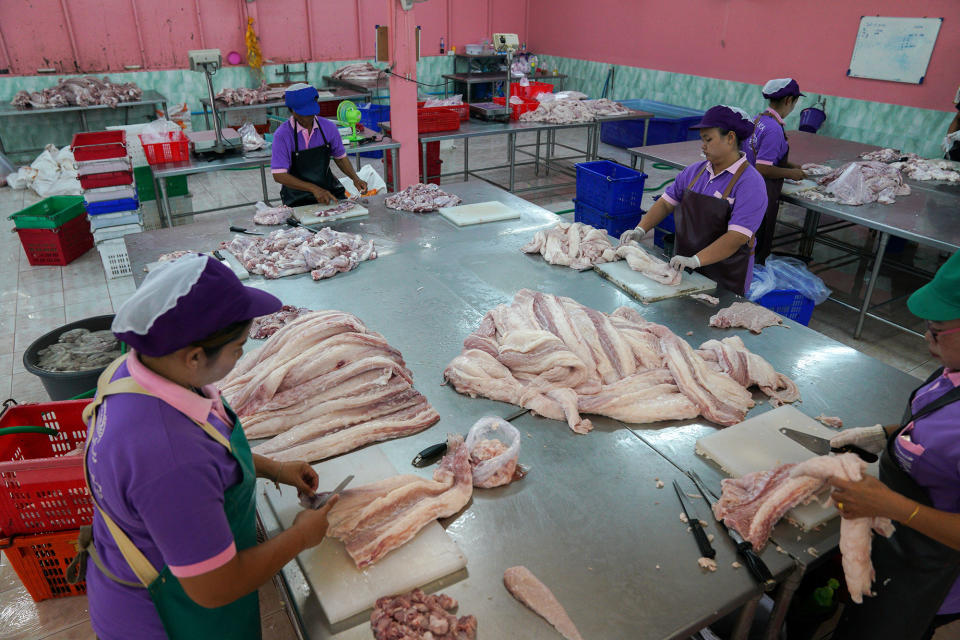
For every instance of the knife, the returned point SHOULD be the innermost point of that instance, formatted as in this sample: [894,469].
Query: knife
[821,446]
[755,564]
[318,500]
[435,451]
[706,550]
[244,231]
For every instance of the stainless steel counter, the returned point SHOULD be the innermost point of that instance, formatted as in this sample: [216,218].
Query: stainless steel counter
[336,93]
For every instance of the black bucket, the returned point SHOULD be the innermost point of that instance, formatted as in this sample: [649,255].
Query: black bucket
[63,385]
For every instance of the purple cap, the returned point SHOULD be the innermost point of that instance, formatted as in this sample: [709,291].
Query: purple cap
[781,88]
[729,118]
[184,301]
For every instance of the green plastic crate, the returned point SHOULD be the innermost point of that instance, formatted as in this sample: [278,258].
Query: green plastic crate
[176,186]
[49,213]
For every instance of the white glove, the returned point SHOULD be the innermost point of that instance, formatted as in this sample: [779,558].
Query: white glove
[682,262]
[949,140]
[632,234]
[872,439]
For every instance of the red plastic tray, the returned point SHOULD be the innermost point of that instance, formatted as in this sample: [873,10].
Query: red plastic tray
[99,145]
[532,91]
[41,563]
[462,109]
[437,119]
[109,179]
[174,146]
[59,246]
[517,109]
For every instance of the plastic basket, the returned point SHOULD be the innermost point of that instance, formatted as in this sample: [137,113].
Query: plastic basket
[109,193]
[111,179]
[532,91]
[609,186]
[371,115]
[59,246]
[614,223]
[116,262]
[99,145]
[117,231]
[112,206]
[789,303]
[172,146]
[41,562]
[42,488]
[516,110]
[463,110]
[437,119]
[49,213]
[113,220]
[104,166]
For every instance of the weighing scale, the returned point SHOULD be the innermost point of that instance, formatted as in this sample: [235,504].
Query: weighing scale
[220,141]
[502,43]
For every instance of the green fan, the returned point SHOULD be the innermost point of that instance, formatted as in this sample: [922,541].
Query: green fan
[348,116]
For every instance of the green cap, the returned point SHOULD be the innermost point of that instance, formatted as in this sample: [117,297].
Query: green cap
[939,299]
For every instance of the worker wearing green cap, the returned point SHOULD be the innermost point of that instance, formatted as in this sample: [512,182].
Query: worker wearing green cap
[917,568]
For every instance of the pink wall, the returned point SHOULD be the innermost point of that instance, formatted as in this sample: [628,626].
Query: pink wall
[748,41]
[110,35]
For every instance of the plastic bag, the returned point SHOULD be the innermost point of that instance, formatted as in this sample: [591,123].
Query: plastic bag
[251,139]
[791,273]
[6,167]
[493,435]
[179,115]
[764,281]
[368,174]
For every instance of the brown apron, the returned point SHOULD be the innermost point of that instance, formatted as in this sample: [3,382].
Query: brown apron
[774,187]
[701,219]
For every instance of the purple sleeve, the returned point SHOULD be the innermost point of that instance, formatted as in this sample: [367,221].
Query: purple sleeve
[770,144]
[750,202]
[333,137]
[282,144]
[674,193]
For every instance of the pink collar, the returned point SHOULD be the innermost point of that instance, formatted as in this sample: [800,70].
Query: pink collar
[953,376]
[731,169]
[776,116]
[302,130]
[192,405]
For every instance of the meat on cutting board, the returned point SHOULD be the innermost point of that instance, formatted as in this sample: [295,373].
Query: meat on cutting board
[525,587]
[576,245]
[377,518]
[745,314]
[416,614]
[830,421]
[654,268]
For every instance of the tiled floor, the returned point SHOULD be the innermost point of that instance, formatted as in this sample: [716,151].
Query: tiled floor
[34,300]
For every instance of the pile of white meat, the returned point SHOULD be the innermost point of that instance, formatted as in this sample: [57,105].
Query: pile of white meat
[271,216]
[265,326]
[559,359]
[289,251]
[421,198]
[323,385]
[360,72]
[570,111]
[242,95]
[79,92]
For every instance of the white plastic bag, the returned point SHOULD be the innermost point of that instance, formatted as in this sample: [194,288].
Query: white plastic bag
[251,139]
[368,174]
[492,434]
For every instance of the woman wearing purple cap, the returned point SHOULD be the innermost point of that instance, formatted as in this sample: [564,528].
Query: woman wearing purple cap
[767,149]
[174,547]
[719,204]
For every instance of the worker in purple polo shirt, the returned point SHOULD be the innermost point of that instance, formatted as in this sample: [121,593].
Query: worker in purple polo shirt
[302,149]
[174,551]
[917,568]
[767,149]
[719,204]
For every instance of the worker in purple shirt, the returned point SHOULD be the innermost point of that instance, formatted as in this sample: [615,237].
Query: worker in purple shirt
[302,149]
[917,568]
[174,551]
[719,204]
[767,149]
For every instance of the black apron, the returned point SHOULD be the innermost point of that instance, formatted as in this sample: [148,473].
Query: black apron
[700,220]
[914,573]
[310,165]
[774,187]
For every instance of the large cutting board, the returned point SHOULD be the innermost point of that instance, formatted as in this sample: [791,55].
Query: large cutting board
[478,213]
[228,259]
[646,290]
[791,188]
[308,213]
[342,589]
[757,445]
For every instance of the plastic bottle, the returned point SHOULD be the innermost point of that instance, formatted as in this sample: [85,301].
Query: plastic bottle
[452,51]
[443,49]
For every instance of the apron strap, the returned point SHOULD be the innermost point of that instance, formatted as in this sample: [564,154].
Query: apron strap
[736,176]
[699,173]
[948,398]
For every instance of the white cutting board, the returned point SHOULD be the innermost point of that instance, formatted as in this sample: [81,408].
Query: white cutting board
[342,589]
[790,188]
[757,445]
[228,259]
[307,214]
[646,290]
[478,213]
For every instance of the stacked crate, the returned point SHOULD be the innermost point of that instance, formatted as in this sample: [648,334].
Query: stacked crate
[608,196]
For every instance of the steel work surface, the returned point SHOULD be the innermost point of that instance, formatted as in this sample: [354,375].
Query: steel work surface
[149,97]
[477,128]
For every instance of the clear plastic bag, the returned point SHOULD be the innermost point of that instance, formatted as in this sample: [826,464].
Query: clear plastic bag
[764,281]
[251,139]
[494,446]
[791,273]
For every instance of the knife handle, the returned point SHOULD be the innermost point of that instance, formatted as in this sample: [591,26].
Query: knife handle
[756,566]
[866,456]
[429,455]
[706,549]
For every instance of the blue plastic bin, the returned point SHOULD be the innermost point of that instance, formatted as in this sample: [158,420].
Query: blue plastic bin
[666,229]
[789,303]
[112,206]
[671,123]
[610,187]
[371,115]
[614,224]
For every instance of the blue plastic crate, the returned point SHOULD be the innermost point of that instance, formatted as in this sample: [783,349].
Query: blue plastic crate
[610,187]
[789,303]
[671,123]
[614,224]
[112,206]
[371,115]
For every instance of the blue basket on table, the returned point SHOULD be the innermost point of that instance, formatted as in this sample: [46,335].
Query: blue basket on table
[610,187]
[111,206]
[371,115]
[614,223]
[789,303]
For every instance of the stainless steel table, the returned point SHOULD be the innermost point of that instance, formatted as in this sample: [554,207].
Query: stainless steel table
[338,93]
[382,83]
[149,98]
[470,79]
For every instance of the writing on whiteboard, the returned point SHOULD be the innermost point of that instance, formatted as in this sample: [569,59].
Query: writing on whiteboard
[895,49]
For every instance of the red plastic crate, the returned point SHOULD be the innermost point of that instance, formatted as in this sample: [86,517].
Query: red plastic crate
[171,146]
[462,109]
[517,109]
[41,562]
[108,179]
[328,108]
[532,91]
[437,119]
[59,246]
[99,145]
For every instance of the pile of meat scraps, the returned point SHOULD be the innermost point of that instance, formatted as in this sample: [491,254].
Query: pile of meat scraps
[860,182]
[578,246]
[374,519]
[293,250]
[452,101]
[494,446]
[323,385]
[747,315]
[421,198]
[265,326]
[559,358]
[80,350]
[242,95]
[922,169]
[418,615]
[570,111]
[271,216]
[79,92]
[360,72]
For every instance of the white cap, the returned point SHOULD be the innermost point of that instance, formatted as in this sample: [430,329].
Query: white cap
[743,114]
[297,86]
[159,293]
[775,85]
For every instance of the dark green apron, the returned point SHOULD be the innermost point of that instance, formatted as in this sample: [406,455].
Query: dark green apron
[311,165]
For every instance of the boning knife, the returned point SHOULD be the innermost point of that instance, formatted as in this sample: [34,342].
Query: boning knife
[435,451]
[706,550]
[317,500]
[821,446]
[244,231]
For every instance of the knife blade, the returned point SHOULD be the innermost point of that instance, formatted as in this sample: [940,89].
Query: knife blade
[318,500]
[706,550]
[755,564]
[436,451]
[821,446]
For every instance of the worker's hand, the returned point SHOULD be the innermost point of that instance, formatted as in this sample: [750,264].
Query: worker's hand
[872,439]
[797,174]
[322,195]
[632,234]
[360,185]
[299,474]
[312,523]
[682,262]
[868,498]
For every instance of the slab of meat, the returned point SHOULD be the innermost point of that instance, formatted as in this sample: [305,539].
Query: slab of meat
[79,91]
[374,519]
[421,198]
[294,250]
[341,207]
[525,587]
[749,369]
[654,268]
[360,72]
[882,155]
[271,215]
[855,533]
[418,615]
[566,111]
[265,326]
[578,246]
[494,459]
[243,95]
[753,503]
[830,421]
[173,255]
[813,169]
[706,298]
[862,182]
[745,314]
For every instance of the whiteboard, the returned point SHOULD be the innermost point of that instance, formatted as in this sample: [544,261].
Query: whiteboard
[896,49]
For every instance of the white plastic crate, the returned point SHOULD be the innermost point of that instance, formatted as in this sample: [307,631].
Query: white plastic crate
[110,193]
[94,167]
[106,220]
[134,147]
[111,233]
[116,262]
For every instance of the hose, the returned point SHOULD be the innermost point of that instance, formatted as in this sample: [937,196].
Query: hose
[661,166]
[6,431]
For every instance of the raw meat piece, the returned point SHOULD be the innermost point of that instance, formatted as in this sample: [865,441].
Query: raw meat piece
[578,246]
[882,155]
[452,101]
[421,198]
[271,215]
[830,421]
[812,169]
[707,563]
[290,251]
[360,72]
[855,533]
[341,207]
[418,615]
[747,315]
[494,460]
[377,518]
[525,587]
[706,298]
[566,111]
[173,255]
[265,326]
[923,169]
[243,95]
[654,268]
[77,91]
[749,369]
[80,350]
[860,182]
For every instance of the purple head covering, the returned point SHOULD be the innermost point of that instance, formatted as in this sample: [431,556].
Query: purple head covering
[781,88]
[729,118]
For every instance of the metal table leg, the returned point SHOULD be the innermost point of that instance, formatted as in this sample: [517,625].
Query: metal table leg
[536,156]
[83,120]
[423,168]
[646,127]
[263,183]
[512,152]
[126,116]
[167,211]
[633,161]
[548,155]
[811,223]
[782,603]
[394,180]
[166,114]
[874,273]
[466,159]
[741,630]
[206,116]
